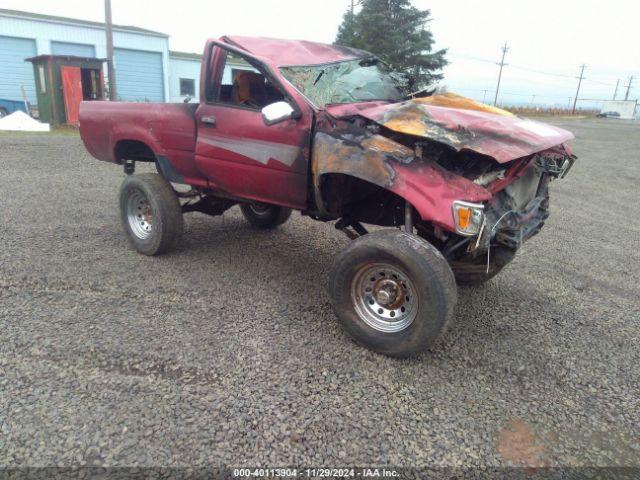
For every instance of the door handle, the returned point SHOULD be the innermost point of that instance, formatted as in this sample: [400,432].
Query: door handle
[210,120]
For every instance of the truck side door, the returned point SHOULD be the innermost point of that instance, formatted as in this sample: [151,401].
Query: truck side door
[236,150]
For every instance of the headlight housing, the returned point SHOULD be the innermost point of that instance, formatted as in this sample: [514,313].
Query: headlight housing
[468,217]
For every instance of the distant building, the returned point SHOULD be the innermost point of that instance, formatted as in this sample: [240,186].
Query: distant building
[141,56]
[184,77]
[146,71]
[626,108]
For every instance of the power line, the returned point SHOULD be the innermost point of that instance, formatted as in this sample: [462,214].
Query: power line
[505,49]
[607,84]
[471,57]
[484,90]
[528,69]
[575,100]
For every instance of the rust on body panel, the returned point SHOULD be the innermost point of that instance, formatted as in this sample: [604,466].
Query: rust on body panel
[332,154]
[381,144]
[478,128]
[452,100]
[376,159]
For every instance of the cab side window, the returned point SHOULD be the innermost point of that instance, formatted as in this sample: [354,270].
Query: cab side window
[243,85]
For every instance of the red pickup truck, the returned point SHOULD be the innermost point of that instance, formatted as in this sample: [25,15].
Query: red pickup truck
[332,132]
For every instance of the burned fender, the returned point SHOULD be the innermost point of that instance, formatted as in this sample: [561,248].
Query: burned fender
[371,157]
[462,124]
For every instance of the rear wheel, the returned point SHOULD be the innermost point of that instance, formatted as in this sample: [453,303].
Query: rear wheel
[393,292]
[150,212]
[263,215]
[3,112]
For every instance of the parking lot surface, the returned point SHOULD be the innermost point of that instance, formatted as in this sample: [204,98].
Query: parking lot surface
[226,351]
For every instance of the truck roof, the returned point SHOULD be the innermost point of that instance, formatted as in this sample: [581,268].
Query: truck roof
[294,52]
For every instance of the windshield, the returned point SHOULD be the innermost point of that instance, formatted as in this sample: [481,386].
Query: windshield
[347,82]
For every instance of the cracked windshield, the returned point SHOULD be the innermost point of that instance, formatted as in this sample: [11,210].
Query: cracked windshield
[346,82]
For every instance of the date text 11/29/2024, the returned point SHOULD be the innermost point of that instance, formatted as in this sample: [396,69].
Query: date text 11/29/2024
[315,473]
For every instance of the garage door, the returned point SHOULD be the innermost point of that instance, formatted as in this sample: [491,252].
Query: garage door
[76,49]
[139,76]
[14,71]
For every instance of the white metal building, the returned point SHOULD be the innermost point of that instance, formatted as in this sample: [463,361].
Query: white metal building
[141,56]
[184,76]
[625,108]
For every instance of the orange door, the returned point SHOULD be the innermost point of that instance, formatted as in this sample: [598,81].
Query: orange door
[72,89]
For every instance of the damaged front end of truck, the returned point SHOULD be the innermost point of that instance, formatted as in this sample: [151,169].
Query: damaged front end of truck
[471,179]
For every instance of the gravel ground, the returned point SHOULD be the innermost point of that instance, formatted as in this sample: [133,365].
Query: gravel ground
[226,351]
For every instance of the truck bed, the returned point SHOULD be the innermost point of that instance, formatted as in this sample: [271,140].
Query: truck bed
[111,129]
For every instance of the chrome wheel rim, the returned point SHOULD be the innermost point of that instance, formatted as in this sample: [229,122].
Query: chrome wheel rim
[140,215]
[384,297]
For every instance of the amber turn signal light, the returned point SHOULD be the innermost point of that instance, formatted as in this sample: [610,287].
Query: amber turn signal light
[464,217]
[467,217]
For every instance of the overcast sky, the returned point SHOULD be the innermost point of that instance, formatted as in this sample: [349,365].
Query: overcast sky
[552,36]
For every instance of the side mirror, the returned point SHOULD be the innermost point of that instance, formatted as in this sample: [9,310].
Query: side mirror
[277,112]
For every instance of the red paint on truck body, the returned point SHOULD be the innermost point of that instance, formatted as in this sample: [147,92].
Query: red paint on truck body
[244,158]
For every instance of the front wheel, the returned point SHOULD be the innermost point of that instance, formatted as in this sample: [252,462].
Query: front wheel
[150,212]
[393,292]
[263,215]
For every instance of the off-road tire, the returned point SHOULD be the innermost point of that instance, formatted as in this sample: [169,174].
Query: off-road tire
[265,216]
[429,274]
[163,205]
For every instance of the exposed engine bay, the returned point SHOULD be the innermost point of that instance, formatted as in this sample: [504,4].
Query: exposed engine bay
[510,198]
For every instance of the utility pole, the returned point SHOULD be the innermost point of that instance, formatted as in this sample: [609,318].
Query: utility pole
[484,95]
[533,99]
[111,71]
[505,49]
[615,93]
[580,78]
[626,95]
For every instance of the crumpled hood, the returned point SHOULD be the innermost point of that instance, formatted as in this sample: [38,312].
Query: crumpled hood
[480,128]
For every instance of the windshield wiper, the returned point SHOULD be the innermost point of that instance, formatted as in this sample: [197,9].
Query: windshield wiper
[425,92]
[319,76]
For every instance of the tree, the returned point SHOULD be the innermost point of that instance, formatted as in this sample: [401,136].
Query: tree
[346,30]
[397,32]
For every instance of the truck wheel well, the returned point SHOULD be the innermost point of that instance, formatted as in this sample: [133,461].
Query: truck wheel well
[361,200]
[133,150]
